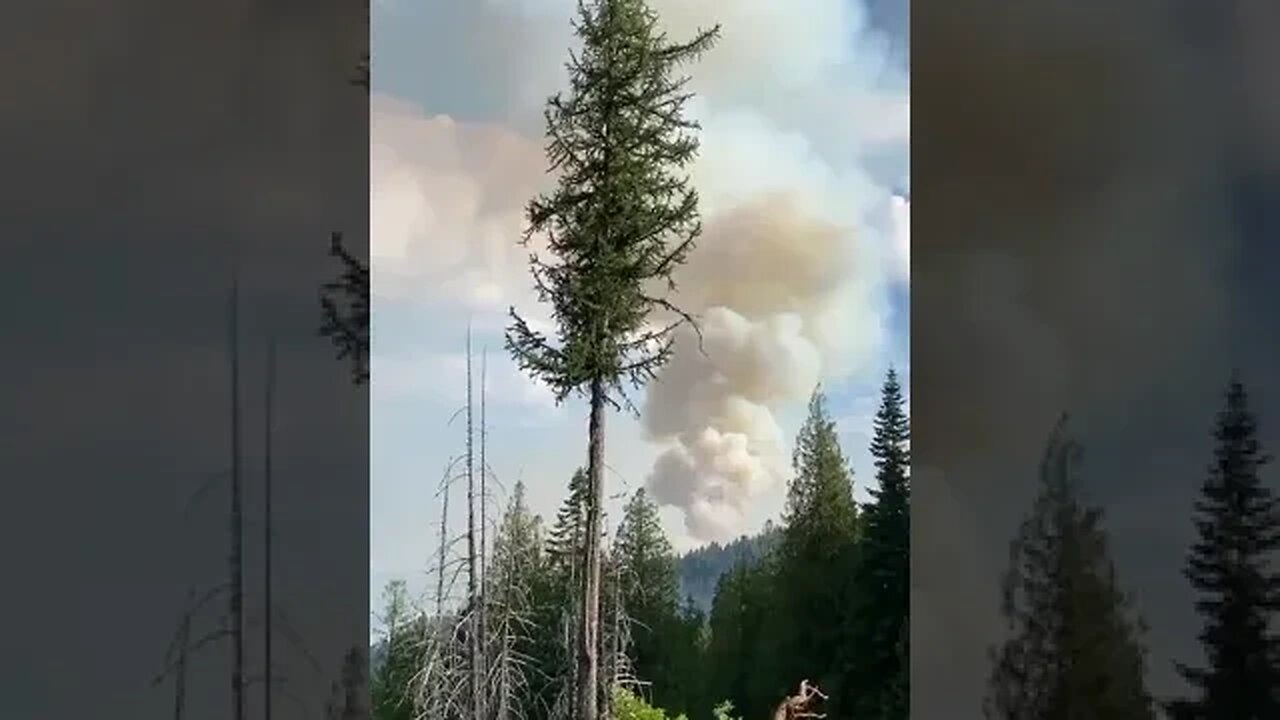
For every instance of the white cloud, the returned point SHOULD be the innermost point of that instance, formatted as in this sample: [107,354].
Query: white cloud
[901,209]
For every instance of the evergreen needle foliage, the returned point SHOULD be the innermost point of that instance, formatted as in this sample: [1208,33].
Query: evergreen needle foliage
[881,581]
[345,304]
[621,220]
[782,613]
[623,216]
[1238,529]
[1074,649]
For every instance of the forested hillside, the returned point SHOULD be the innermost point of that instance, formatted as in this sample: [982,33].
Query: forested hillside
[701,569]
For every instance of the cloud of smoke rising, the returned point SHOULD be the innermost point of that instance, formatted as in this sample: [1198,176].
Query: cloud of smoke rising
[781,304]
[1073,244]
[766,274]
[801,243]
[802,238]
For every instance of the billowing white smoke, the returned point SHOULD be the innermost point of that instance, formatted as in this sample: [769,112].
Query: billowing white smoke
[789,277]
[772,286]
[801,243]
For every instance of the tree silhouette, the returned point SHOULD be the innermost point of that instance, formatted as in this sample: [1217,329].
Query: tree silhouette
[1074,648]
[1238,530]
[345,304]
[881,582]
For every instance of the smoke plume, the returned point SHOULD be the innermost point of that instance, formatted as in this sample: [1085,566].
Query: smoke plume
[803,143]
[803,239]
[775,290]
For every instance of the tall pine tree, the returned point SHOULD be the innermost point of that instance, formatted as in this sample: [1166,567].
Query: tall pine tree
[650,595]
[622,219]
[881,581]
[1074,649]
[820,527]
[1238,528]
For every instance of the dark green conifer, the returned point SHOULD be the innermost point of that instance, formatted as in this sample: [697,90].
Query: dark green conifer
[622,218]
[1238,531]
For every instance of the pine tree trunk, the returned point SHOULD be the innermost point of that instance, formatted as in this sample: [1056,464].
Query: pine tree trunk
[588,659]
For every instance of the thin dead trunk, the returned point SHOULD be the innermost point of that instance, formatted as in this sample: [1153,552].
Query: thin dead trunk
[237,517]
[444,541]
[266,481]
[615,655]
[504,690]
[180,668]
[473,595]
[483,607]
[588,659]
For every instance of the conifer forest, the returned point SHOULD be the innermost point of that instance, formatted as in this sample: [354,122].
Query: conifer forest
[821,596]
[585,616]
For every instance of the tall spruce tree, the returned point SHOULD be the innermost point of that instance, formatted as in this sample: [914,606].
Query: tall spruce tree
[1074,647]
[745,659]
[650,590]
[1238,528]
[879,593]
[821,524]
[622,219]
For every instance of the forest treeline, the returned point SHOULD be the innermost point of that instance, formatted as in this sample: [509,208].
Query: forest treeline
[563,619]
[826,601]
[700,569]
[1076,643]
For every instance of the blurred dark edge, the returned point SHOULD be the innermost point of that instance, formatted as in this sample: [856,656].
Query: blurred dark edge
[152,151]
[1095,203]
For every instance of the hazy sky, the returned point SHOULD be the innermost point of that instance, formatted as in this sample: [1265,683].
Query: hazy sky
[150,146]
[804,150]
[1096,208]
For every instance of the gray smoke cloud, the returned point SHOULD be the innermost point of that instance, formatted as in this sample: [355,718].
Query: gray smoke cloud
[804,143]
[770,286]
[1073,252]
[803,239]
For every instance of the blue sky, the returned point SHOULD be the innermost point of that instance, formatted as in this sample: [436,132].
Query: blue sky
[803,267]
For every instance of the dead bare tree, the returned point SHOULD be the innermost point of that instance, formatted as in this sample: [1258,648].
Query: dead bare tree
[482,607]
[237,515]
[180,669]
[181,647]
[800,704]
[475,604]
[444,535]
[452,681]
[440,687]
[268,410]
